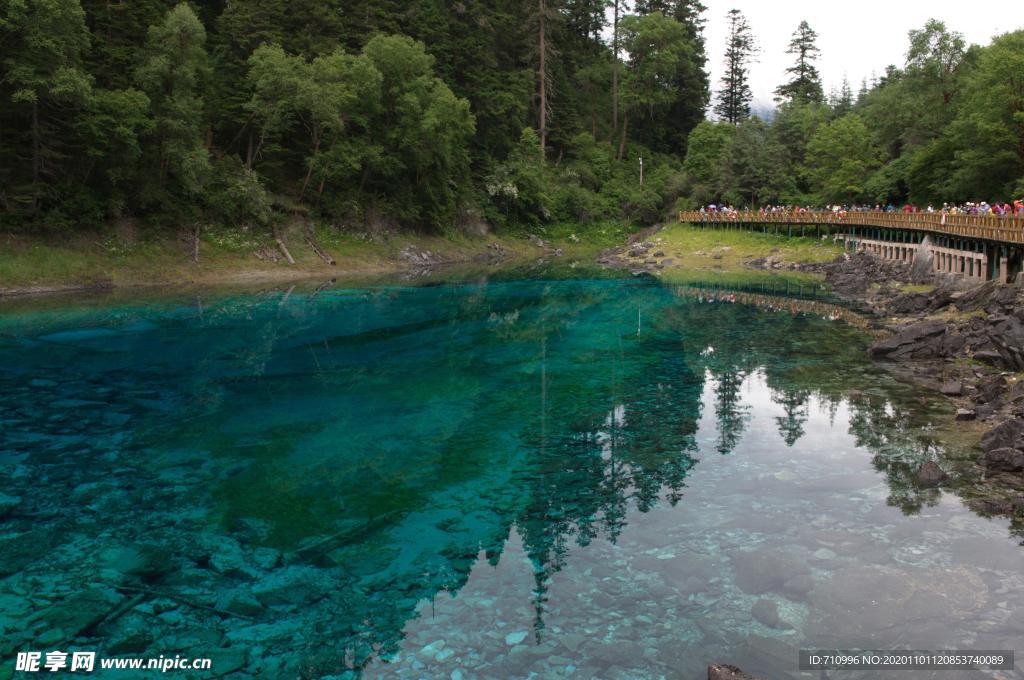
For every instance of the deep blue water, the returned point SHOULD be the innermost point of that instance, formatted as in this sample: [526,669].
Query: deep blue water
[587,478]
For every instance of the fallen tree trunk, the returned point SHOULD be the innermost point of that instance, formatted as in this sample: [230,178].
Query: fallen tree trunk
[282,246]
[311,240]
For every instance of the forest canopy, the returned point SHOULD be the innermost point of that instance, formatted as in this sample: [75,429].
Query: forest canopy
[429,115]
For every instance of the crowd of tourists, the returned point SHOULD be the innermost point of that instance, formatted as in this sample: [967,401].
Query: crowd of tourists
[1004,209]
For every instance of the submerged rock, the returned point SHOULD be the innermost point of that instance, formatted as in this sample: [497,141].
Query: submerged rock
[515,638]
[8,504]
[766,569]
[767,612]
[728,672]
[930,474]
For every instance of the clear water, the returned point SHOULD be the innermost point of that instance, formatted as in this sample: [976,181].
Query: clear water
[546,478]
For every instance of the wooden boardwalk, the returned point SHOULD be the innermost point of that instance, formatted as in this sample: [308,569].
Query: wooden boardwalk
[1008,230]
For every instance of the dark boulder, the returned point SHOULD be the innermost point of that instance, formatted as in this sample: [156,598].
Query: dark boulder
[930,474]
[991,389]
[1006,435]
[728,672]
[976,298]
[920,303]
[952,388]
[767,612]
[766,569]
[921,340]
[1004,460]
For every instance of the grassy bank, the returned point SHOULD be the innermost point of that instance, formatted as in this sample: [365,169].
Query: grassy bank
[126,256]
[693,248]
[123,256]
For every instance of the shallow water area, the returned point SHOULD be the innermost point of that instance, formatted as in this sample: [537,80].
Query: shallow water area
[547,477]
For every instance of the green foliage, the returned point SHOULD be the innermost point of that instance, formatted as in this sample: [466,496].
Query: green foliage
[988,132]
[840,156]
[705,155]
[657,45]
[410,113]
[752,170]
[172,74]
[947,126]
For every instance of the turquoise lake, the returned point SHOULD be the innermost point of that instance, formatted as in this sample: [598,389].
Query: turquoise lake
[587,478]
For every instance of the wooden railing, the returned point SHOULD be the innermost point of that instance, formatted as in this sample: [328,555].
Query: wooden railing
[987,227]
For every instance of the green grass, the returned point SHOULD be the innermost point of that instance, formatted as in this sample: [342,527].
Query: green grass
[160,257]
[729,249]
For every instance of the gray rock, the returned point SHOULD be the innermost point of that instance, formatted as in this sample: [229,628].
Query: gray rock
[965,414]
[728,672]
[1007,435]
[80,611]
[293,585]
[1004,460]
[240,602]
[767,612]
[798,587]
[930,474]
[515,638]
[131,634]
[918,341]
[766,569]
[952,388]
[144,561]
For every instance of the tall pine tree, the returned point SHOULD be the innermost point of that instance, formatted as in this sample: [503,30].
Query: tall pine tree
[735,96]
[804,86]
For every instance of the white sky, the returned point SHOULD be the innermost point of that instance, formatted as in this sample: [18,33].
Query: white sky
[855,38]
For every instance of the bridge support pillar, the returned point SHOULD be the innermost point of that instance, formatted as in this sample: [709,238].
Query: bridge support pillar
[1004,269]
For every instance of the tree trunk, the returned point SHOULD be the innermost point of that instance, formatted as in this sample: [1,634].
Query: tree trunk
[311,240]
[250,153]
[37,155]
[195,243]
[309,171]
[615,68]
[543,81]
[282,246]
[622,141]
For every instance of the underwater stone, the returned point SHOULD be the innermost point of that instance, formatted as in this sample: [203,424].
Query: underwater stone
[8,504]
[767,612]
[144,561]
[798,587]
[130,634]
[766,569]
[728,672]
[294,585]
[515,638]
[930,474]
[227,661]
[80,611]
[240,602]
[266,558]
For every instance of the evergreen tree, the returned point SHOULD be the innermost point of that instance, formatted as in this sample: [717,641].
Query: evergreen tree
[841,101]
[735,95]
[44,83]
[805,83]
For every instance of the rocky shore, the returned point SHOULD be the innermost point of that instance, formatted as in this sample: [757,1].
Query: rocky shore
[962,339]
